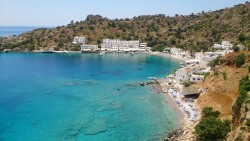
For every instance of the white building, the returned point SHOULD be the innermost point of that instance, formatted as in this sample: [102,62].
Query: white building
[79,40]
[204,59]
[119,45]
[241,47]
[196,78]
[89,48]
[225,45]
[182,75]
[144,47]
[179,53]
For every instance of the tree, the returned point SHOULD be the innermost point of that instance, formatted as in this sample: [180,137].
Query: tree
[159,47]
[240,59]
[210,127]
[60,44]
[208,112]
[236,48]
[242,38]
[243,89]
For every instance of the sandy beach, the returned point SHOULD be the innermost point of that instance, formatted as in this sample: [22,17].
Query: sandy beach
[187,112]
[157,89]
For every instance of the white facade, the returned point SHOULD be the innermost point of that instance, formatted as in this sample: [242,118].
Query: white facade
[143,45]
[89,48]
[79,40]
[241,47]
[179,53]
[225,45]
[119,45]
[204,59]
[182,75]
[196,78]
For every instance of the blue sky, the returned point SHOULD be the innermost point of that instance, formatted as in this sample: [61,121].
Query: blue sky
[61,12]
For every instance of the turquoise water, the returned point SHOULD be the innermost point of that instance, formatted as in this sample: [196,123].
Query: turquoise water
[83,97]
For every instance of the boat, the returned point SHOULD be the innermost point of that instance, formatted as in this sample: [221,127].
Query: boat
[153,78]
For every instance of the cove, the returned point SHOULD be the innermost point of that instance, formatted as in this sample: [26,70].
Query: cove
[84,97]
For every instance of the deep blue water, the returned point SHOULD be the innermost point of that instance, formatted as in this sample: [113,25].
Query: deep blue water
[16,30]
[83,97]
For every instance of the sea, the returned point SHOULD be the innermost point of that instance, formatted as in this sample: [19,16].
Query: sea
[17,30]
[83,97]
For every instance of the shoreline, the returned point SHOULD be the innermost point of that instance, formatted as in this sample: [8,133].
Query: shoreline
[181,60]
[185,129]
[180,115]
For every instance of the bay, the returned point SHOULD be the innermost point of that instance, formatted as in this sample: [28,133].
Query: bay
[85,97]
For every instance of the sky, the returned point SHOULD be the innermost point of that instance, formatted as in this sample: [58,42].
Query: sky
[61,12]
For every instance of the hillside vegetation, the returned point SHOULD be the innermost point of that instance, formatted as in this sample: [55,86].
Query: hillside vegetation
[227,91]
[193,32]
[221,92]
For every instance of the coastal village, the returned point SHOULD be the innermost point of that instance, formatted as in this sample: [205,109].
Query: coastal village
[177,87]
[112,71]
[194,69]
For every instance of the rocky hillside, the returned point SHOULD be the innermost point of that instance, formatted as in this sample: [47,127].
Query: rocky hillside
[222,86]
[223,90]
[193,32]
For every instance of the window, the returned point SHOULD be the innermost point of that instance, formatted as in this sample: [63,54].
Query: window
[193,79]
[198,79]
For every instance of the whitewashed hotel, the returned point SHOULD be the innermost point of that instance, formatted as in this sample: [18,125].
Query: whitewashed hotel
[119,45]
[89,48]
[225,45]
[79,40]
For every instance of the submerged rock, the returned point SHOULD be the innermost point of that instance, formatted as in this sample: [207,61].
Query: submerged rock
[95,127]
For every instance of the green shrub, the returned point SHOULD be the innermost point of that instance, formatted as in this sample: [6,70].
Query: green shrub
[248,122]
[208,112]
[60,44]
[210,127]
[224,75]
[240,60]
[243,89]
[159,47]
[244,79]
[236,48]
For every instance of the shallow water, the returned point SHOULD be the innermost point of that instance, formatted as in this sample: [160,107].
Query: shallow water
[85,97]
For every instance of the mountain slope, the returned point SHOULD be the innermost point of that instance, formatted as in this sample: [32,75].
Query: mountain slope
[192,32]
